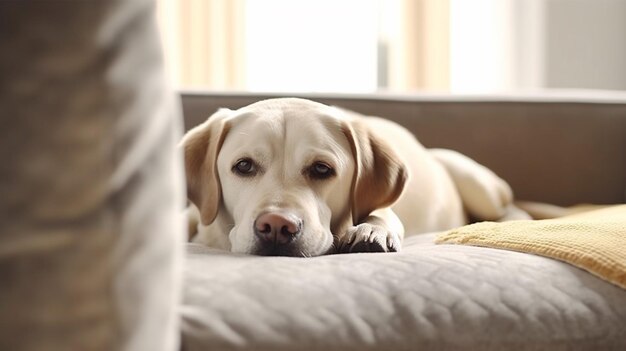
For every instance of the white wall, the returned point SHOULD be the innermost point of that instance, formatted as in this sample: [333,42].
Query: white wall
[586,44]
[504,45]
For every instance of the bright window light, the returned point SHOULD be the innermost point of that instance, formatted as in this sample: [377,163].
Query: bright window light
[322,45]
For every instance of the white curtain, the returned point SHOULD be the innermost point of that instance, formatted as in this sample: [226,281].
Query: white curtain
[204,42]
[418,40]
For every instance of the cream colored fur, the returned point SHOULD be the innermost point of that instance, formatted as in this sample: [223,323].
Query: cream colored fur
[384,183]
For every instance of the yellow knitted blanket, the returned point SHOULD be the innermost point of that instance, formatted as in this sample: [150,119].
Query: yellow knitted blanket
[594,241]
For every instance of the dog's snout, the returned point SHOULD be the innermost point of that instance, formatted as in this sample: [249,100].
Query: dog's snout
[277,228]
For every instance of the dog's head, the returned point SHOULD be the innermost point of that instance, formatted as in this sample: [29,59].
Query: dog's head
[283,175]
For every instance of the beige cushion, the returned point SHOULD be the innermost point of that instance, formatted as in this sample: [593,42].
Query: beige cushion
[90,183]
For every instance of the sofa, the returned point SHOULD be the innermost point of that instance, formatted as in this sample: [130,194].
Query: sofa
[562,148]
[92,238]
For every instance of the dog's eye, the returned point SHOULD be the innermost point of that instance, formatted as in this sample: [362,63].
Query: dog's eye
[320,170]
[245,167]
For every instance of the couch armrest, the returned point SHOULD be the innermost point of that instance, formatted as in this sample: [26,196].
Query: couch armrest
[90,182]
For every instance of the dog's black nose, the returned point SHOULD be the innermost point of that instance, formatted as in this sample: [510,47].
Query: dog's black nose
[277,228]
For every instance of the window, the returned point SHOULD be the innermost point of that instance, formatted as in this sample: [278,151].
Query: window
[467,46]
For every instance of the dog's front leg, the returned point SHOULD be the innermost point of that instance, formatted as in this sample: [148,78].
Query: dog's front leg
[381,231]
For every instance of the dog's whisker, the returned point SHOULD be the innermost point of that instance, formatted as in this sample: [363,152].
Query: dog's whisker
[302,253]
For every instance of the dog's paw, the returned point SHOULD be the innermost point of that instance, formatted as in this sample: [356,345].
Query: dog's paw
[367,237]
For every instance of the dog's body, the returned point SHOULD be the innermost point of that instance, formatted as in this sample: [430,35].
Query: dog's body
[298,178]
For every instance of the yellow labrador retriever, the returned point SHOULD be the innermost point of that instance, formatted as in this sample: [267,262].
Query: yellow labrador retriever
[298,178]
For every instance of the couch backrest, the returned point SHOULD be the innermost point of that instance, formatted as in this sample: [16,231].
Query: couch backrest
[562,149]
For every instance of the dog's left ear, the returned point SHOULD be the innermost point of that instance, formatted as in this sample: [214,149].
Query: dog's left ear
[201,146]
[380,175]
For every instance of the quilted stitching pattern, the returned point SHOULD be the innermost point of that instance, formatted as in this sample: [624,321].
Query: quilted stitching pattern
[427,297]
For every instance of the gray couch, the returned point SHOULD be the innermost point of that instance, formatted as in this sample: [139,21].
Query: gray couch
[561,148]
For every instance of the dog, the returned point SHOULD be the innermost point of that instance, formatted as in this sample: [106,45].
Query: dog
[293,177]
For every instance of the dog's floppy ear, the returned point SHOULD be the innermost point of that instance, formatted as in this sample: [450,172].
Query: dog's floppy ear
[380,175]
[201,146]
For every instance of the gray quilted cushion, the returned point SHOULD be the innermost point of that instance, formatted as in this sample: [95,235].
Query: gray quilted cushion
[425,298]
[90,186]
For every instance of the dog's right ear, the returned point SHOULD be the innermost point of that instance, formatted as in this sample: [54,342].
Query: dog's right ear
[201,146]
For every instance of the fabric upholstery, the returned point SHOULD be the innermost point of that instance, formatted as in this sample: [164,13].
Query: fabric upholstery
[427,297]
[90,183]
